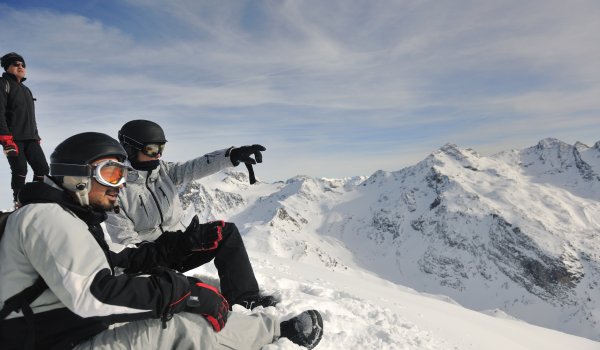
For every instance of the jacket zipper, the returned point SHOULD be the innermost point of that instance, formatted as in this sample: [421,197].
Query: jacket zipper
[164,195]
[144,206]
[155,201]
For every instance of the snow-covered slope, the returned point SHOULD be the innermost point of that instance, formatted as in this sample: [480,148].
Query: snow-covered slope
[516,234]
[361,311]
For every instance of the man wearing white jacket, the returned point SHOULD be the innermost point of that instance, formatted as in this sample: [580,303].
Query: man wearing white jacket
[150,207]
[62,285]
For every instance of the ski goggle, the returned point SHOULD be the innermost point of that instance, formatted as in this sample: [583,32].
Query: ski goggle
[153,149]
[110,173]
[18,64]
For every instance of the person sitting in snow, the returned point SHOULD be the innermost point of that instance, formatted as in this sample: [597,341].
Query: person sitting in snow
[62,284]
[150,207]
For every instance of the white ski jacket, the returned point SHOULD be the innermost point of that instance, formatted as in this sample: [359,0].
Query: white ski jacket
[55,238]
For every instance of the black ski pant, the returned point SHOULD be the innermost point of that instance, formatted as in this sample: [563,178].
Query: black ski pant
[232,263]
[30,152]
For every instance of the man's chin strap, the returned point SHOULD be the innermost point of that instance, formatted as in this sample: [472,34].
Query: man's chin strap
[80,186]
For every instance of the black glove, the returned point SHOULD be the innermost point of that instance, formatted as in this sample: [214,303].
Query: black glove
[206,300]
[202,237]
[242,154]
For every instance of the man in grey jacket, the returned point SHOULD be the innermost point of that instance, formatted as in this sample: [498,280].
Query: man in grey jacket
[84,284]
[150,207]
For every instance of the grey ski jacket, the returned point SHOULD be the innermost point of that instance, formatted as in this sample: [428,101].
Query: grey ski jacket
[150,202]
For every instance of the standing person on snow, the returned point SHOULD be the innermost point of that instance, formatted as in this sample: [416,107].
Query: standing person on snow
[150,206]
[55,242]
[18,129]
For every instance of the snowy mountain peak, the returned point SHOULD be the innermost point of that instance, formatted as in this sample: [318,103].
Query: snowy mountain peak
[579,146]
[377,177]
[451,154]
[449,148]
[517,231]
[347,184]
[236,177]
[554,143]
[561,163]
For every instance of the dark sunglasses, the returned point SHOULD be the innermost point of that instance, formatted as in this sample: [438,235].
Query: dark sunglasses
[18,64]
[153,149]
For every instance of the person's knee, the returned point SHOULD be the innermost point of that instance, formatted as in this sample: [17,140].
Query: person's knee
[40,168]
[19,169]
[230,231]
[41,172]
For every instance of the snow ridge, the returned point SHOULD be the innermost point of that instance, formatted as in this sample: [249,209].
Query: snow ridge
[516,232]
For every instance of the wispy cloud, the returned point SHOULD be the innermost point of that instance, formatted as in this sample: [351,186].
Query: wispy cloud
[319,82]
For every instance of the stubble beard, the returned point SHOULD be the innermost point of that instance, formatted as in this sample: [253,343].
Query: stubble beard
[108,204]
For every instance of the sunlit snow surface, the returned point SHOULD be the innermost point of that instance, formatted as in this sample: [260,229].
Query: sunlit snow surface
[361,311]
[492,244]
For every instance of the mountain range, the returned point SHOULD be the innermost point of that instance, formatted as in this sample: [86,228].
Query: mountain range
[517,232]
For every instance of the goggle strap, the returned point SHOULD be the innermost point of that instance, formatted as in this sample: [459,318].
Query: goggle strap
[130,141]
[63,169]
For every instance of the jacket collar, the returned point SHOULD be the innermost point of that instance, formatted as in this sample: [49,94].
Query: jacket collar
[140,176]
[11,76]
[49,192]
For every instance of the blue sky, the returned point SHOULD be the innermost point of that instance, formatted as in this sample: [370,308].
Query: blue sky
[331,88]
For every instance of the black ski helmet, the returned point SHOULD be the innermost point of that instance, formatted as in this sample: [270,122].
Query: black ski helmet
[70,162]
[137,133]
[71,157]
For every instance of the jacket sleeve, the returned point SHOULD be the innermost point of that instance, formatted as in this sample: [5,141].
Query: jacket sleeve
[198,168]
[166,251]
[66,255]
[4,130]
[33,121]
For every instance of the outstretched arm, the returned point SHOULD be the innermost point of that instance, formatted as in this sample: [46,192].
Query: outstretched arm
[198,168]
